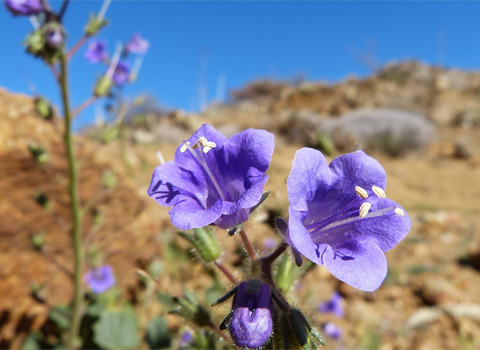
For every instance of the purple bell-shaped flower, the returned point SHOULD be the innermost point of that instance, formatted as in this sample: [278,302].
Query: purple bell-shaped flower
[250,323]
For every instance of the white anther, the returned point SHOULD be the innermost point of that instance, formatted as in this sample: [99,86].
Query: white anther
[184,147]
[361,192]
[399,211]
[379,192]
[364,208]
[207,145]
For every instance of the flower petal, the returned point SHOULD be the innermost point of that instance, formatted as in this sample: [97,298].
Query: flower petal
[309,177]
[251,328]
[299,238]
[185,159]
[359,264]
[186,219]
[171,186]
[248,149]
[358,169]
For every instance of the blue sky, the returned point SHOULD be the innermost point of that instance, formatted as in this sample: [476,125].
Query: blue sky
[239,41]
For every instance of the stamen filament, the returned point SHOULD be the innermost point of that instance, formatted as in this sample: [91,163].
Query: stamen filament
[324,231]
[205,167]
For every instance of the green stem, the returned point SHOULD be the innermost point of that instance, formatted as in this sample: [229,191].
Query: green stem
[75,207]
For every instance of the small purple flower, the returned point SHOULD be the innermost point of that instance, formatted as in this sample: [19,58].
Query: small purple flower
[96,51]
[334,305]
[340,217]
[186,338]
[251,322]
[269,243]
[121,73]
[332,330]
[137,44]
[24,7]
[100,279]
[54,36]
[214,179]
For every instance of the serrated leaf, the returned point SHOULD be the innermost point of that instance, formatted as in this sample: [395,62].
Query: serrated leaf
[117,329]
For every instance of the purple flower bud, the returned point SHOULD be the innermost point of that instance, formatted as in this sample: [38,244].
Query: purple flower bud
[137,44]
[251,323]
[100,279]
[24,7]
[121,73]
[334,305]
[96,51]
[54,36]
[332,330]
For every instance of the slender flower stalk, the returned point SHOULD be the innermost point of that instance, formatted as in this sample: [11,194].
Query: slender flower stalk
[77,46]
[84,105]
[75,208]
[248,244]
[226,272]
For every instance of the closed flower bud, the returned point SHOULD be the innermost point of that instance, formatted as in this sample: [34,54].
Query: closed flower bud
[295,330]
[43,107]
[35,42]
[103,87]
[250,322]
[39,153]
[54,35]
[190,309]
[94,25]
[204,242]
[24,7]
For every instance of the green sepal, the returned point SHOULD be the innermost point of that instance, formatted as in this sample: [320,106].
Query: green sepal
[189,308]
[295,332]
[205,243]
[39,153]
[94,25]
[38,240]
[43,107]
[103,86]
[286,274]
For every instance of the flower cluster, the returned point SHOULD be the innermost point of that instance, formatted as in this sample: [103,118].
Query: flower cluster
[119,72]
[339,216]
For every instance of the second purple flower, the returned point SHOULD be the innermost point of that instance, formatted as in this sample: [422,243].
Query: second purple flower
[340,216]
[214,179]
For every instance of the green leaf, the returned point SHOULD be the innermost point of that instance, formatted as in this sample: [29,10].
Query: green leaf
[31,342]
[157,335]
[117,329]
[60,315]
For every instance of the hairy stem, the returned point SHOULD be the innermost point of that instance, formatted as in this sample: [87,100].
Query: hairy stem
[77,46]
[248,244]
[226,272]
[75,208]
[84,105]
